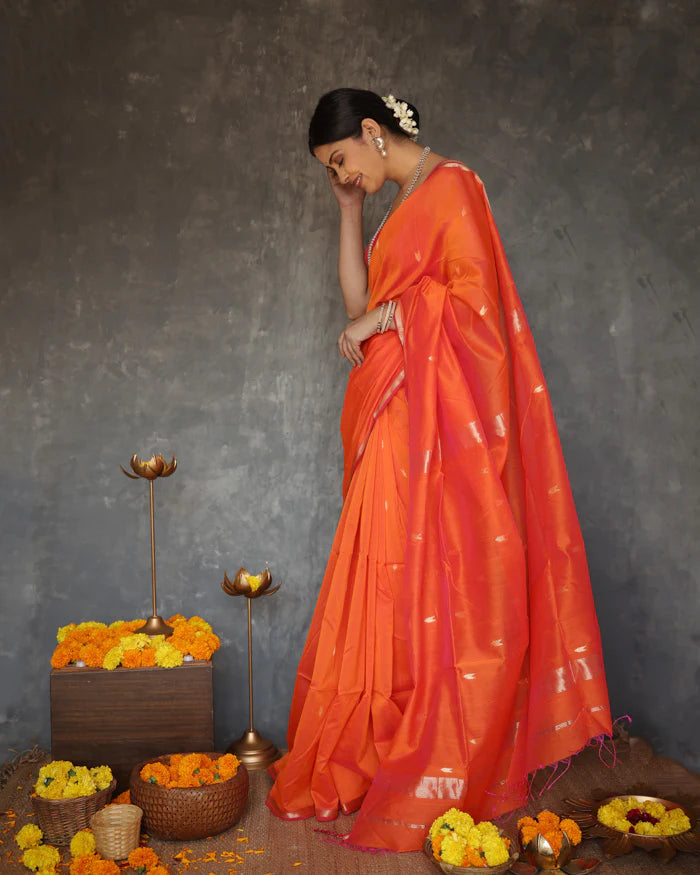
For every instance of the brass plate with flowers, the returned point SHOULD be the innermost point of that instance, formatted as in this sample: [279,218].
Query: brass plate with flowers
[451,869]
[642,806]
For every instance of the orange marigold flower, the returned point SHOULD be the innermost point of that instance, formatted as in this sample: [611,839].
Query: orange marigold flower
[571,828]
[92,655]
[155,773]
[473,858]
[158,870]
[527,821]
[176,619]
[435,843]
[227,766]
[62,655]
[131,659]
[148,657]
[182,643]
[188,764]
[83,865]
[143,859]
[202,647]
[554,837]
[205,776]
[548,819]
[123,798]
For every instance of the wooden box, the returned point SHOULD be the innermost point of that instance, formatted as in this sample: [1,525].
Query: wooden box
[121,717]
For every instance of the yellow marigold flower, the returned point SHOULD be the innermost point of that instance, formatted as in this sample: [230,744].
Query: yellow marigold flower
[453,848]
[82,843]
[168,656]
[495,850]
[63,631]
[676,821]
[198,623]
[29,836]
[453,819]
[473,837]
[112,658]
[102,776]
[41,857]
[135,642]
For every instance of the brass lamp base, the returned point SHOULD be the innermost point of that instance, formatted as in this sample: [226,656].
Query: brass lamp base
[155,626]
[254,751]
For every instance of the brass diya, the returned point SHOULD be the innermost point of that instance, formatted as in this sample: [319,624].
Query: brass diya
[254,751]
[150,470]
[615,843]
[540,853]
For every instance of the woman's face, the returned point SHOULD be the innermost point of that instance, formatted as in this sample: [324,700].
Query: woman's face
[355,161]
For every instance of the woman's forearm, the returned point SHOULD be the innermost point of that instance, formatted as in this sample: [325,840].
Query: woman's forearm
[352,270]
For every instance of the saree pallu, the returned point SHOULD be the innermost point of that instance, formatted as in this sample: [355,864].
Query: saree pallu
[454,648]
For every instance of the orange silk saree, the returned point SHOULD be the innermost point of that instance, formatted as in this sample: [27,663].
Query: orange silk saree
[454,648]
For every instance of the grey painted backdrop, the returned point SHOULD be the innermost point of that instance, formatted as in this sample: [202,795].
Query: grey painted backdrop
[169,285]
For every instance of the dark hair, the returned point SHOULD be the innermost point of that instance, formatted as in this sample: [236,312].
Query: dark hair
[339,115]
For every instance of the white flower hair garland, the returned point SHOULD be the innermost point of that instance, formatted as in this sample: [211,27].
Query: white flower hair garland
[405,115]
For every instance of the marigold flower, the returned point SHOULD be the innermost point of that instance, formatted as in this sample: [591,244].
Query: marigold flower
[62,656]
[227,766]
[571,828]
[204,646]
[148,657]
[102,776]
[132,659]
[112,658]
[82,843]
[176,619]
[155,773]
[168,656]
[63,631]
[29,836]
[199,624]
[41,857]
[122,799]
[143,860]
[158,870]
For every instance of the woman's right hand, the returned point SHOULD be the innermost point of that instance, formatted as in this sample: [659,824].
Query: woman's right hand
[347,195]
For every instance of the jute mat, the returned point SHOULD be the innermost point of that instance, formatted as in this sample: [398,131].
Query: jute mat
[260,843]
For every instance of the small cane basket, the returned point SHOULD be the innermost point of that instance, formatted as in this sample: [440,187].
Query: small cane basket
[117,829]
[61,819]
[186,813]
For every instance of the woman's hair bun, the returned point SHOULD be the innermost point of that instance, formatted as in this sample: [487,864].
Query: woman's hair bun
[339,115]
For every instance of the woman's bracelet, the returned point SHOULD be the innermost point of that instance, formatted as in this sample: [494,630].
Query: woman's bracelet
[381,318]
[387,317]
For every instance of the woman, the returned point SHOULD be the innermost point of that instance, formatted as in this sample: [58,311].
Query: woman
[454,648]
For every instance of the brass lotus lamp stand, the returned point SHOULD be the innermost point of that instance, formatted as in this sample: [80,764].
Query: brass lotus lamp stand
[150,470]
[254,751]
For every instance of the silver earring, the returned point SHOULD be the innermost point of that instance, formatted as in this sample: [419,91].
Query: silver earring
[379,145]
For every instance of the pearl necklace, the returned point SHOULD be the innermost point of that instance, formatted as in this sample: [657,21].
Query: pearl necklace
[419,170]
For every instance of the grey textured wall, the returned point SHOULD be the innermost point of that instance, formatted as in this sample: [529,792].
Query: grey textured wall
[169,253]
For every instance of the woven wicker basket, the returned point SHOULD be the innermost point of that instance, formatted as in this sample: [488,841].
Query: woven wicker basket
[117,830]
[185,813]
[61,819]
